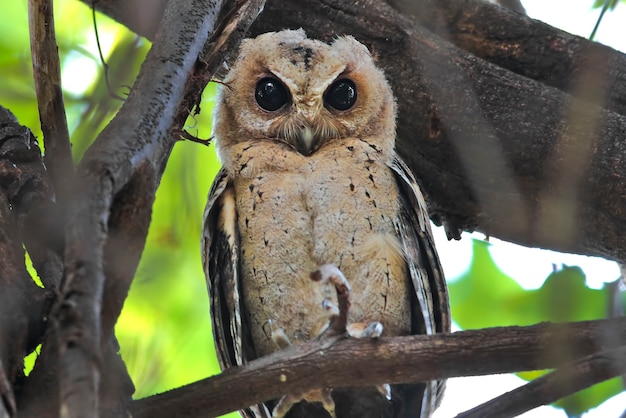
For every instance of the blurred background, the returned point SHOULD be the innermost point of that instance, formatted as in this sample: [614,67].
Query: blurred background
[164,330]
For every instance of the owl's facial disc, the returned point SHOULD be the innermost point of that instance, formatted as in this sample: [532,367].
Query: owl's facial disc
[306,121]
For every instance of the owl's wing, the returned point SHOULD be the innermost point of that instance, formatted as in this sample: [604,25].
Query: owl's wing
[220,259]
[430,306]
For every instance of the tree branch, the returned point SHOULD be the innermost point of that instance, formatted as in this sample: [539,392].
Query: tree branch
[550,388]
[494,150]
[47,74]
[23,303]
[118,176]
[337,362]
[522,45]
[484,142]
[141,16]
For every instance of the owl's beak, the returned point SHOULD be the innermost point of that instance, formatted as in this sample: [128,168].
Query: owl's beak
[305,143]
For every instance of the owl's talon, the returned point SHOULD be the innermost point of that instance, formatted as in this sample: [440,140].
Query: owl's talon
[278,335]
[330,273]
[284,405]
[385,390]
[361,330]
[330,307]
[327,401]
[373,330]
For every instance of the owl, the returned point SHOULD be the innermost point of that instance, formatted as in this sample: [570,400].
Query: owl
[305,131]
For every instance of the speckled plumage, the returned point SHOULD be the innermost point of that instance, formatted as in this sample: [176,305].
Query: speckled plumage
[306,185]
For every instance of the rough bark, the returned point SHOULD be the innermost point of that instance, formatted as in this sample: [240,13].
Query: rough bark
[23,190]
[509,124]
[47,75]
[336,362]
[494,151]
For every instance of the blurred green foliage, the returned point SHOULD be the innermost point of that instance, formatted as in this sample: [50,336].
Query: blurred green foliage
[484,296]
[609,4]
[164,329]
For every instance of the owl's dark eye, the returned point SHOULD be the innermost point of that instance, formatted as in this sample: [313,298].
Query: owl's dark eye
[341,95]
[271,94]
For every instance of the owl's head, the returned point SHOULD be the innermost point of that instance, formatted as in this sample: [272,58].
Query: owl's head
[304,93]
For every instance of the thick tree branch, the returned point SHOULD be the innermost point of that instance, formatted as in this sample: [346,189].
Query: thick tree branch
[23,303]
[13,279]
[32,200]
[494,150]
[510,40]
[47,74]
[336,362]
[525,46]
[118,177]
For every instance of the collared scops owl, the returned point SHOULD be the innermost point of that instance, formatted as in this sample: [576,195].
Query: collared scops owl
[305,131]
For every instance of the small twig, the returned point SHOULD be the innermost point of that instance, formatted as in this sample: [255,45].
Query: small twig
[47,75]
[189,137]
[605,7]
[549,388]
[105,66]
[214,80]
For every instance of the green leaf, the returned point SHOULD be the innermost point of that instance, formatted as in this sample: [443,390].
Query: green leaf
[565,297]
[486,297]
[580,402]
[609,4]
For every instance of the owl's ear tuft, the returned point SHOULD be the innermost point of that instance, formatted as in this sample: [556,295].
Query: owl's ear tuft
[350,43]
[300,33]
[288,36]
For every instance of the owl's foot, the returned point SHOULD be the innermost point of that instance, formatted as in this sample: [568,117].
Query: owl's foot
[339,317]
[362,330]
[314,395]
[278,335]
[339,314]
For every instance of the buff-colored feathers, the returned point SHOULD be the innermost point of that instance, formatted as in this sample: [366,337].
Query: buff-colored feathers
[305,131]
[306,67]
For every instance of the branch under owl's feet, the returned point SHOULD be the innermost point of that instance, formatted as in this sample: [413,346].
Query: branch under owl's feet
[418,357]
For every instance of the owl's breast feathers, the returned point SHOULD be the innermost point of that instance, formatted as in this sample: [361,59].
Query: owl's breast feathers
[275,216]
